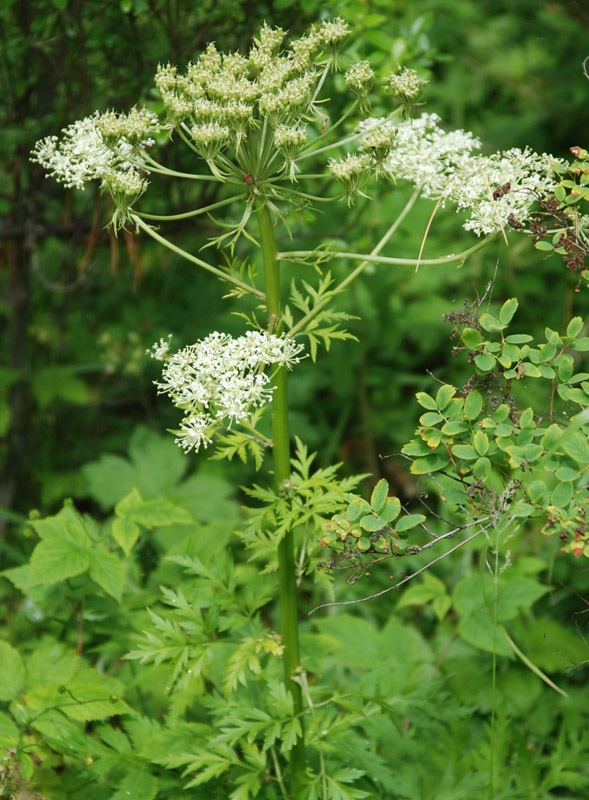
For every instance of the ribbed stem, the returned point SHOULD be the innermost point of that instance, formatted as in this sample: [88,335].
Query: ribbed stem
[281,453]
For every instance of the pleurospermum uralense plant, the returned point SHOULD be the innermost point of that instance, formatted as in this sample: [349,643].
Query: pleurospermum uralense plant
[254,123]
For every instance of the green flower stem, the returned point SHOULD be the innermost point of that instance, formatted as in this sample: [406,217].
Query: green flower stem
[154,166]
[354,274]
[281,454]
[294,255]
[189,257]
[196,212]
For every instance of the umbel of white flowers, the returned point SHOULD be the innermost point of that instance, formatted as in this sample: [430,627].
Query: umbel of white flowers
[495,189]
[220,380]
[252,118]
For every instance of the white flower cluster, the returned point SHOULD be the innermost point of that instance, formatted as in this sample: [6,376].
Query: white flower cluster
[501,187]
[108,147]
[220,380]
[422,152]
[442,165]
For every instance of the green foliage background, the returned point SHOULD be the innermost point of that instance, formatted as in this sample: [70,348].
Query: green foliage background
[79,416]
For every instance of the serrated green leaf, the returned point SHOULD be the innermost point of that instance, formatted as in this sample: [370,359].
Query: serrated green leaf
[137,784]
[50,664]
[12,672]
[9,734]
[55,560]
[125,533]
[108,572]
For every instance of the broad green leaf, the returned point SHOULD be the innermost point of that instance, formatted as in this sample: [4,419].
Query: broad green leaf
[465,451]
[481,442]
[409,521]
[562,494]
[430,418]
[137,785]
[156,513]
[484,362]
[379,495]
[426,401]
[129,502]
[50,664]
[482,468]
[454,427]
[477,629]
[108,572]
[531,370]
[431,463]
[551,437]
[443,396]
[490,323]
[391,510]
[526,419]
[519,338]
[55,560]
[356,509]
[542,245]
[417,596]
[575,445]
[125,533]
[581,345]
[535,490]
[90,701]
[8,732]
[441,605]
[472,337]
[371,523]
[12,672]
[473,405]
[507,310]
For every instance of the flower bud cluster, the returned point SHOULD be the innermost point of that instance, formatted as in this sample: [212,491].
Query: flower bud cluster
[239,93]
[360,79]
[220,380]
[352,171]
[406,84]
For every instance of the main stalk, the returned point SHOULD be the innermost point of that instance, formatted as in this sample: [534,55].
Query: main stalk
[281,454]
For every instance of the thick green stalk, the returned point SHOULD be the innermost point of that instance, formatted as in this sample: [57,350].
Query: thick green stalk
[281,453]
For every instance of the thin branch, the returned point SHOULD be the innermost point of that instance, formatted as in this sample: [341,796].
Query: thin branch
[406,578]
[226,276]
